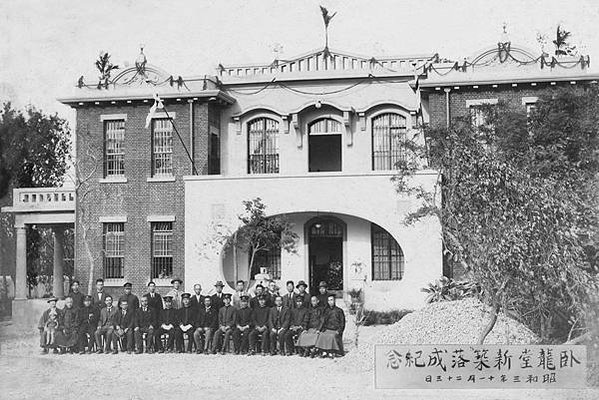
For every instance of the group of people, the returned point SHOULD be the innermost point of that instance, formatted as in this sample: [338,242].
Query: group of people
[264,323]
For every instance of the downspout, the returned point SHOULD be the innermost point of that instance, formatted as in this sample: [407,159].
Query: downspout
[191,147]
[447,117]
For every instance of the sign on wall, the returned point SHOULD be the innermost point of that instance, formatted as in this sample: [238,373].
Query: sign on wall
[479,366]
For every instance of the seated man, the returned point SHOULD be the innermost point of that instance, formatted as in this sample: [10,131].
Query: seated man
[312,324]
[123,327]
[145,322]
[243,326]
[88,322]
[105,325]
[67,336]
[330,340]
[186,320]
[43,325]
[226,323]
[296,324]
[207,323]
[278,323]
[167,324]
[260,326]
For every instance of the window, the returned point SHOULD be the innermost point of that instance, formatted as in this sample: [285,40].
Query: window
[114,152]
[388,139]
[387,256]
[263,146]
[114,249]
[162,147]
[269,259]
[324,145]
[479,111]
[326,126]
[162,250]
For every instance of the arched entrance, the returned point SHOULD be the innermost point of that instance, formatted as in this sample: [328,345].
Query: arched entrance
[325,236]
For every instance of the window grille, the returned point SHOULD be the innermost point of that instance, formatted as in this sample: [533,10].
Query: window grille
[387,256]
[162,147]
[325,126]
[114,149]
[114,250]
[269,259]
[263,146]
[388,141]
[162,250]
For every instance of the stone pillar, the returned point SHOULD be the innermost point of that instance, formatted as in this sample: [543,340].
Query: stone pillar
[57,274]
[21,267]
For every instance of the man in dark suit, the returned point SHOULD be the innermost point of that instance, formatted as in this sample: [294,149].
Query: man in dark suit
[123,327]
[296,324]
[99,300]
[154,299]
[206,326]
[88,323]
[105,325]
[323,294]
[301,292]
[129,297]
[167,321]
[76,295]
[226,324]
[254,300]
[259,326]
[217,298]
[289,297]
[186,320]
[243,326]
[197,299]
[145,322]
[278,323]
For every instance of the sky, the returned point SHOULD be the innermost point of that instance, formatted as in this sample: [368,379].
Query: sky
[47,44]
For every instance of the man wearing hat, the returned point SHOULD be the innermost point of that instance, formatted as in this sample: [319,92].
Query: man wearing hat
[154,299]
[301,292]
[260,326]
[186,320]
[226,323]
[218,297]
[145,322]
[76,295]
[167,325]
[323,294]
[106,325]
[43,320]
[296,324]
[206,326]
[129,297]
[176,293]
[88,322]
[243,326]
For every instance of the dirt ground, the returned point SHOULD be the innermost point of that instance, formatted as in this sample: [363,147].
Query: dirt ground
[26,374]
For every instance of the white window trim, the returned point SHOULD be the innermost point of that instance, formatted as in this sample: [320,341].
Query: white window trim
[113,179]
[113,117]
[529,100]
[479,102]
[113,218]
[162,282]
[114,282]
[162,115]
[160,218]
[161,178]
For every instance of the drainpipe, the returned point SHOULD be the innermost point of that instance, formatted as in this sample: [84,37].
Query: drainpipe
[447,117]
[191,149]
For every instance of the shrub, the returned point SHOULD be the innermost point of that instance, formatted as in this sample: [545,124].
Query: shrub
[384,317]
[447,289]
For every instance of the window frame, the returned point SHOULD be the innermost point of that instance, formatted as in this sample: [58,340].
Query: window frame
[397,154]
[166,152]
[114,157]
[165,260]
[113,233]
[273,262]
[390,271]
[269,158]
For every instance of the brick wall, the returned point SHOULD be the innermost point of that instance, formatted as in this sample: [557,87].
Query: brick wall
[138,198]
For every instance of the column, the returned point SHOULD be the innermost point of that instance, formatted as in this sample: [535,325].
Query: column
[21,267]
[58,275]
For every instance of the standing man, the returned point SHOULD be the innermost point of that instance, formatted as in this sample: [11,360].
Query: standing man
[301,292]
[239,292]
[123,327]
[145,322]
[186,320]
[129,297]
[330,339]
[278,323]
[259,292]
[100,295]
[76,295]
[206,326]
[154,299]
[226,324]
[271,293]
[296,325]
[105,325]
[168,323]
[218,297]
[42,323]
[260,326]
[88,322]
[197,300]
[176,292]
[289,297]
[323,294]
[243,326]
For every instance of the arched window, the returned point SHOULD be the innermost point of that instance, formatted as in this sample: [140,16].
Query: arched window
[324,145]
[388,138]
[387,256]
[263,146]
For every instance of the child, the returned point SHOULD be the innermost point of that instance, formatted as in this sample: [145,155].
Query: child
[46,327]
[50,328]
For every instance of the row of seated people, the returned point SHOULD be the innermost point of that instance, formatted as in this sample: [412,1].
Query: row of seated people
[302,330]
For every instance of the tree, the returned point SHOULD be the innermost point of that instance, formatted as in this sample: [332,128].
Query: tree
[518,212]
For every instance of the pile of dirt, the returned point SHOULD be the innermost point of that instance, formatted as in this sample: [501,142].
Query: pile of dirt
[451,322]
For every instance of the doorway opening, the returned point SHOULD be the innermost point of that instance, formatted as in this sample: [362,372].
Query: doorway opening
[325,246]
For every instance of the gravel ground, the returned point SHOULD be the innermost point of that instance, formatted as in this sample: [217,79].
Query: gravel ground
[26,374]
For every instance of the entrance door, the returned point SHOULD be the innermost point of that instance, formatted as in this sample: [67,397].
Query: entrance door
[326,255]
[324,146]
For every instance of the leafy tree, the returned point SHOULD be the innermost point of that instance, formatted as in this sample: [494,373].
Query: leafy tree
[518,210]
